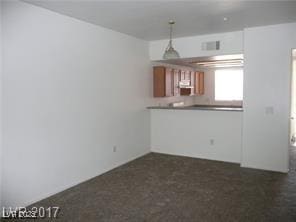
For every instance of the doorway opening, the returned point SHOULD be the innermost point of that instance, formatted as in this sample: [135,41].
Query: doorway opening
[292,150]
[293,101]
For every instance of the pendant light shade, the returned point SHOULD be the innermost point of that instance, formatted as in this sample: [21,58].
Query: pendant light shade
[170,52]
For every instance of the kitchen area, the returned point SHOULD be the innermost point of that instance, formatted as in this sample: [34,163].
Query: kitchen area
[199,107]
[212,81]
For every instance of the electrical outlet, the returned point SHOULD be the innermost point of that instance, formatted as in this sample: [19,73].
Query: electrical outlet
[114,149]
[212,142]
[269,110]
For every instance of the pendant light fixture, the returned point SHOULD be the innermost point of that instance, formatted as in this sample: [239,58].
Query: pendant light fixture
[170,52]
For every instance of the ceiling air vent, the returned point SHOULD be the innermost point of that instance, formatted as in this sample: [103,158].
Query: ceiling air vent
[208,46]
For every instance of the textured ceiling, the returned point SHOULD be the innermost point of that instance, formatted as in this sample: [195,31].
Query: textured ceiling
[148,20]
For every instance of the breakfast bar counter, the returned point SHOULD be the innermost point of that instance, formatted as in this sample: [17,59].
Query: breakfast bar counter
[201,107]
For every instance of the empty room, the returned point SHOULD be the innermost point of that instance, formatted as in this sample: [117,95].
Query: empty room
[147,111]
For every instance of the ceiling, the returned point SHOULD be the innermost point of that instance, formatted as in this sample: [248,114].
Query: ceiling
[148,19]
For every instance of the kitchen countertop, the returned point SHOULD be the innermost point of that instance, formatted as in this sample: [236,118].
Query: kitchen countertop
[201,107]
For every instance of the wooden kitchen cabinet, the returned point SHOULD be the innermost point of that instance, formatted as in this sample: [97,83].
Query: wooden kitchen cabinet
[187,75]
[176,80]
[183,74]
[199,83]
[190,77]
[166,82]
[163,81]
[192,81]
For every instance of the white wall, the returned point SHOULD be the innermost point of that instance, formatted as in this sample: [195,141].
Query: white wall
[230,43]
[188,133]
[72,91]
[267,74]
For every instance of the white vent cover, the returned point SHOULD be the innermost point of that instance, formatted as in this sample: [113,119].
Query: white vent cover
[208,46]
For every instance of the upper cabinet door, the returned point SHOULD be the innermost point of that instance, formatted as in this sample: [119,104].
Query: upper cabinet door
[159,81]
[163,81]
[177,77]
[199,83]
[169,82]
[183,74]
[187,75]
[192,82]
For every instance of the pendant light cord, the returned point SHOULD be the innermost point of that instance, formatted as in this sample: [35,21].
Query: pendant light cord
[171,34]
[170,45]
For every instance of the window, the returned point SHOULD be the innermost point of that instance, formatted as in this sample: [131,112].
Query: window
[229,84]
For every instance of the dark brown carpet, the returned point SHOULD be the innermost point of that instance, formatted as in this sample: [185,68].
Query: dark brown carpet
[167,188]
